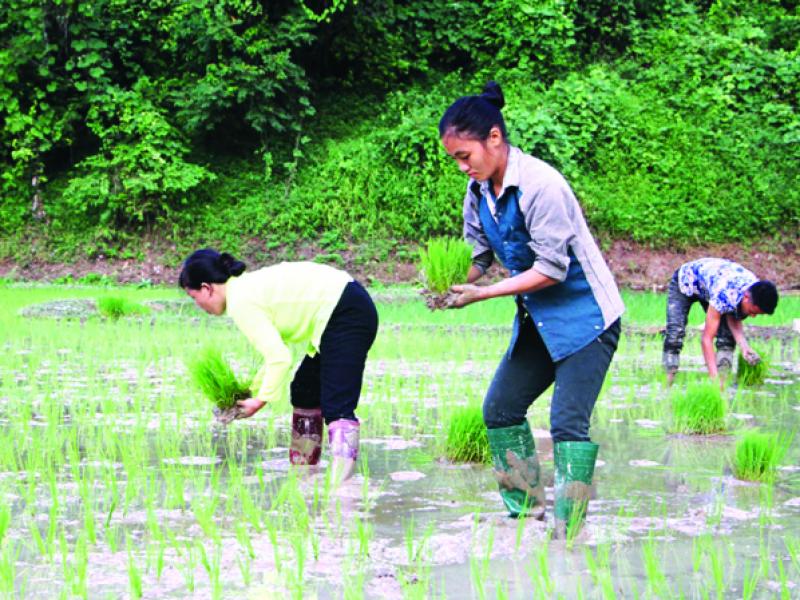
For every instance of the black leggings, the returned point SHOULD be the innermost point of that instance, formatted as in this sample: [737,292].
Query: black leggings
[331,380]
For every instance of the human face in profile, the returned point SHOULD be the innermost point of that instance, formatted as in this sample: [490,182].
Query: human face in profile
[482,160]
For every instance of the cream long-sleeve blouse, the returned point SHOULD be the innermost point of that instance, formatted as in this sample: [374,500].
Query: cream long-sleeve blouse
[283,311]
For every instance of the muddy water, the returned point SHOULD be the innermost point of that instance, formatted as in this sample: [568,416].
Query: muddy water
[667,494]
[667,517]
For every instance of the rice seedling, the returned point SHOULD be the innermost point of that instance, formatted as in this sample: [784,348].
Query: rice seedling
[538,570]
[99,438]
[749,582]
[793,547]
[467,440]
[134,574]
[215,378]
[700,409]
[444,262]
[758,454]
[115,307]
[751,375]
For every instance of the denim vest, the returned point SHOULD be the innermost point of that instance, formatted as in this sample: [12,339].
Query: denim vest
[566,314]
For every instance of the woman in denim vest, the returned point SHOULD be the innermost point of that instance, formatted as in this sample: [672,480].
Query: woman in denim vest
[522,211]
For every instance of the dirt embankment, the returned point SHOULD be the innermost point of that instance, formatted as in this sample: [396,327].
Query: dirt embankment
[634,265]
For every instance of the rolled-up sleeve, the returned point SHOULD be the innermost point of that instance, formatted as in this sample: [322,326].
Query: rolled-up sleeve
[549,220]
[482,255]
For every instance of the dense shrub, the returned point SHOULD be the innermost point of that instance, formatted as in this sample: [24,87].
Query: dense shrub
[674,121]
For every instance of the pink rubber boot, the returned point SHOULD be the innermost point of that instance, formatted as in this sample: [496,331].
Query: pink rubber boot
[306,445]
[343,437]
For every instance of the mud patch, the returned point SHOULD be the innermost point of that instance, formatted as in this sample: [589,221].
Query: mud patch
[643,463]
[438,301]
[75,308]
[406,475]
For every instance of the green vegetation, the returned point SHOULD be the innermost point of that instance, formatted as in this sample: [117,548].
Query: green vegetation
[699,409]
[444,262]
[466,436]
[215,378]
[114,307]
[129,126]
[747,374]
[758,454]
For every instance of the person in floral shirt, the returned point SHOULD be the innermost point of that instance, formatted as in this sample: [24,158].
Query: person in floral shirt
[728,293]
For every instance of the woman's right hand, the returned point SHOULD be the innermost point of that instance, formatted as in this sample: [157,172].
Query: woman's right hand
[249,407]
[461,295]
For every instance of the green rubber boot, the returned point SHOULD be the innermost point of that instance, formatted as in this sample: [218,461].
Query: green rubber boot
[574,468]
[516,469]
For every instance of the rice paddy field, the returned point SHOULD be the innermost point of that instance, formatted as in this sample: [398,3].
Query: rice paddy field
[116,481]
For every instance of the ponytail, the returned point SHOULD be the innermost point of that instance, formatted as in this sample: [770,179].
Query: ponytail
[209,266]
[474,116]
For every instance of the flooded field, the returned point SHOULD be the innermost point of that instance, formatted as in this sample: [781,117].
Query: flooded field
[116,482]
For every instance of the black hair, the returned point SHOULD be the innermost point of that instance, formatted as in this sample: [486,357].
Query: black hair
[764,295]
[208,266]
[474,116]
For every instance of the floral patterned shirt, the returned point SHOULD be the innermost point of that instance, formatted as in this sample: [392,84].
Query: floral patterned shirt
[722,283]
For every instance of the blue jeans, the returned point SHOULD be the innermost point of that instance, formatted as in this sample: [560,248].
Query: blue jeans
[331,380]
[528,371]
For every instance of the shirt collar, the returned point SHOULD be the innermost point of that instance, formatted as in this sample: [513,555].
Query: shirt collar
[511,176]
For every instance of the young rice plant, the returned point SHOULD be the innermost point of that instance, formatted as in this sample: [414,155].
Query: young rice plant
[749,375]
[700,409]
[216,380]
[466,436]
[444,262]
[114,307]
[758,454]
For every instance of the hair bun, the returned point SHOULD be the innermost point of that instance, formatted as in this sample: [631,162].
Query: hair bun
[231,265]
[493,94]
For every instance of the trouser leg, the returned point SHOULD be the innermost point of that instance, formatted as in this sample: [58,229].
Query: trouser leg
[344,346]
[520,378]
[578,380]
[678,306]
[345,343]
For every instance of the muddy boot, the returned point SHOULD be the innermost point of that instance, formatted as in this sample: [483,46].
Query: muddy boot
[516,469]
[671,362]
[574,468]
[724,359]
[306,445]
[343,446]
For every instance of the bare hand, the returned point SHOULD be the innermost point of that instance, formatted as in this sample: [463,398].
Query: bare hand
[751,356]
[249,407]
[465,294]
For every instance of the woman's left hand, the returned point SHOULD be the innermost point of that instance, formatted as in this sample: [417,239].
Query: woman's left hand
[249,407]
[465,294]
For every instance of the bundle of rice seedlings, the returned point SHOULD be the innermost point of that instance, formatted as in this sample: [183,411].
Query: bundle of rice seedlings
[749,375]
[700,409]
[758,454]
[114,307]
[215,378]
[466,436]
[444,262]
